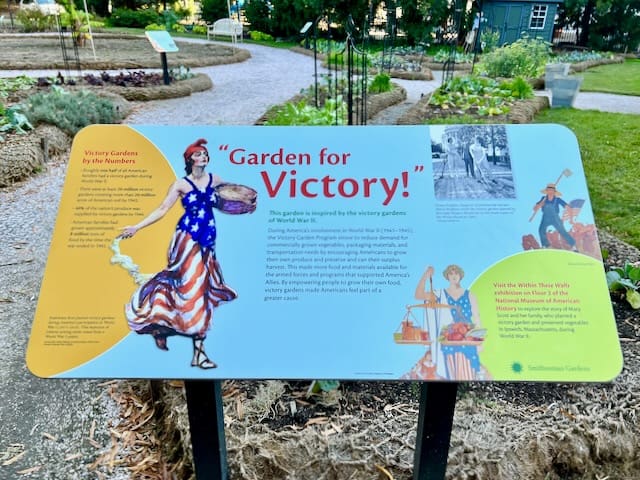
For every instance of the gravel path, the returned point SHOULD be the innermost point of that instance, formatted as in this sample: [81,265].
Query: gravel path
[241,92]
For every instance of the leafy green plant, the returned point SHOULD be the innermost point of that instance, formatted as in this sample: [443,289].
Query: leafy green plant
[260,36]
[580,56]
[333,112]
[200,29]
[155,27]
[123,17]
[381,83]
[10,85]
[12,120]
[519,87]
[181,73]
[395,62]
[626,279]
[70,111]
[33,20]
[489,39]
[485,95]
[325,46]
[443,55]
[525,57]
[318,386]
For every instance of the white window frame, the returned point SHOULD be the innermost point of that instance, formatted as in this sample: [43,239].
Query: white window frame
[538,13]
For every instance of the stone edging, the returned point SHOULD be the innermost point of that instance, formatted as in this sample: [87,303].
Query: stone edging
[582,66]
[182,88]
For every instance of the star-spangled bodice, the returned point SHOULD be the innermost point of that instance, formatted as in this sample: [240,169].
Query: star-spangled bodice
[198,219]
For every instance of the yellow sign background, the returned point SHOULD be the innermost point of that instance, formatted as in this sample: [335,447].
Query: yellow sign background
[81,297]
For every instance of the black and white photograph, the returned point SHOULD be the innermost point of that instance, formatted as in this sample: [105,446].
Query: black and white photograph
[471,162]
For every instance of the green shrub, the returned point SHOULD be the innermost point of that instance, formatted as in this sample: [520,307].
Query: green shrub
[525,57]
[627,280]
[169,19]
[178,28]
[260,37]
[154,27]
[258,15]
[212,10]
[381,83]
[489,40]
[123,17]
[200,29]
[70,111]
[33,20]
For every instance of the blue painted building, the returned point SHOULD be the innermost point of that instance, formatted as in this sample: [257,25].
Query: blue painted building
[512,18]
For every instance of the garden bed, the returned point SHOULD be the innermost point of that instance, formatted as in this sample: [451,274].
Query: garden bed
[522,111]
[22,155]
[376,103]
[112,53]
[424,73]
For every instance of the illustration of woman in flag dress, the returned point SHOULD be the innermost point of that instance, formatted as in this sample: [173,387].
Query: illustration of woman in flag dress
[461,338]
[181,299]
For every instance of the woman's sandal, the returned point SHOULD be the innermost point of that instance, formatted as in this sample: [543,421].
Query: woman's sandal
[201,360]
[161,340]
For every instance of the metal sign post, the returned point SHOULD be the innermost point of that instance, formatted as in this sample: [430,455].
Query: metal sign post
[162,43]
[206,424]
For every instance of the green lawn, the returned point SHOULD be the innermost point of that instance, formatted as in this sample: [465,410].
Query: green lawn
[610,149]
[623,78]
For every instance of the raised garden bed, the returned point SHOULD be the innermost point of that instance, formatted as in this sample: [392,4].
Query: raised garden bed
[112,52]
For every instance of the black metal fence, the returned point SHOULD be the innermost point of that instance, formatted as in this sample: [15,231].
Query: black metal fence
[347,65]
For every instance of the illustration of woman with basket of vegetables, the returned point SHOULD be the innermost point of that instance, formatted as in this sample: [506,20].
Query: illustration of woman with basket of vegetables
[181,299]
[460,339]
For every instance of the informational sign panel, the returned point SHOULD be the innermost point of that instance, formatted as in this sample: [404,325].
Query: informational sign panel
[161,41]
[422,252]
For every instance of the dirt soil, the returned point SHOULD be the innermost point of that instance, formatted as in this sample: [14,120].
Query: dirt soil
[112,52]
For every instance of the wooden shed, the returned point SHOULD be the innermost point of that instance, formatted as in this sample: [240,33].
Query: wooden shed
[513,18]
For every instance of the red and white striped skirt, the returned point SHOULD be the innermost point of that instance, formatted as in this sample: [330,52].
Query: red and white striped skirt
[180,299]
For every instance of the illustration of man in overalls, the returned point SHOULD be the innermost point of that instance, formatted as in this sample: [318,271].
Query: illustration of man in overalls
[550,205]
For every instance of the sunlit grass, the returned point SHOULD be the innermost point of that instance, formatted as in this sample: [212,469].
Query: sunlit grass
[622,78]
[610,149]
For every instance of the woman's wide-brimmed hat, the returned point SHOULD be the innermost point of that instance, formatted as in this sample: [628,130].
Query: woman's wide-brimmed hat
[551,186]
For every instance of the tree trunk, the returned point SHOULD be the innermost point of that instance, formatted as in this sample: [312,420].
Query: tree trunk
[585,22]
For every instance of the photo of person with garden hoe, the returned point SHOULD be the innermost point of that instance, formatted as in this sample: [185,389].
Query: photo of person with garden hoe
[181,299]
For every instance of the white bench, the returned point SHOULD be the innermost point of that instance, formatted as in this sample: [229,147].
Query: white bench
[226,27]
